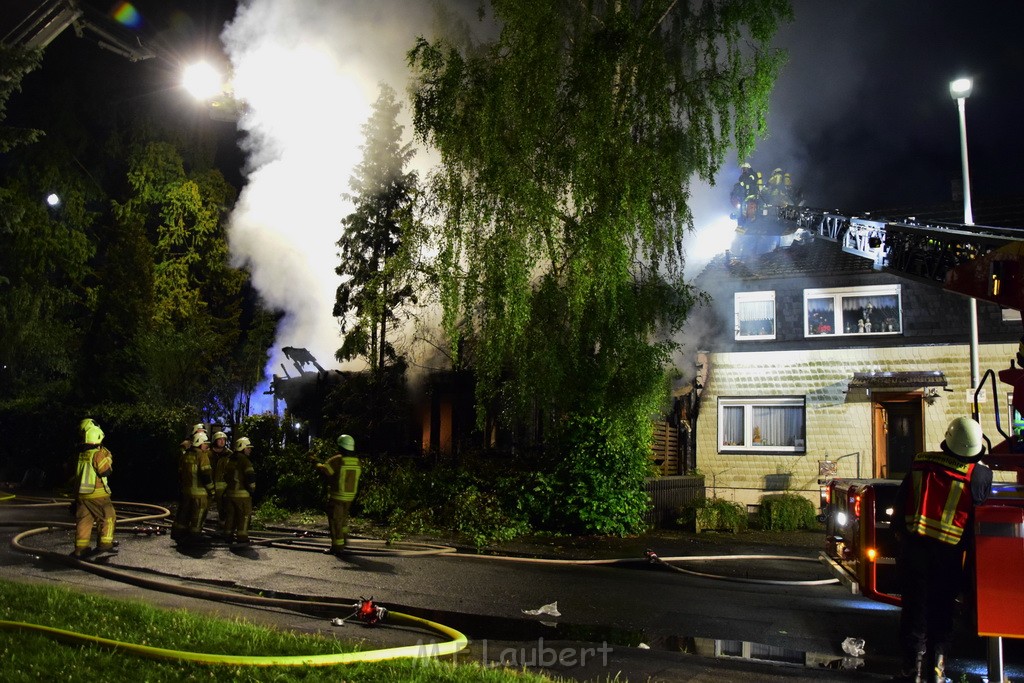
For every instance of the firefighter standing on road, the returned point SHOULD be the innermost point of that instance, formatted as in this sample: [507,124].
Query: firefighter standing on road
[342,473]
[239,479]
[195,478]
[219,456]
[933,516]
[93,507]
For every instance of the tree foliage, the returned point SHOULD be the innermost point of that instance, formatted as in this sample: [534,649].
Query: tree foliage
[376,264]
[568,145]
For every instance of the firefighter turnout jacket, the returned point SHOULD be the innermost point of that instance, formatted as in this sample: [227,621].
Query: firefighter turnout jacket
[940,492]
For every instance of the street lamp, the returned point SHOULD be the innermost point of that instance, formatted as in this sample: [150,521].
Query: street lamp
[960,90]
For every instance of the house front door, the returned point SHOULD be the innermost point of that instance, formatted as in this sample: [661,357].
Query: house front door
[899,434]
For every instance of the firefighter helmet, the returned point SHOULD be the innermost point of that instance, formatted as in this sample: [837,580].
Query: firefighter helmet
[84,425]
[199,438]
[220,435]
[242,444]
[964,438]
[93,434]
[347,442]
[198,428]
[745,166]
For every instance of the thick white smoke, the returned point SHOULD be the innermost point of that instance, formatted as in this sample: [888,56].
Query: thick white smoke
[309,72]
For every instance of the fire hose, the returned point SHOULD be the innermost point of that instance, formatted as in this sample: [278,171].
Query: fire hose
[365,611]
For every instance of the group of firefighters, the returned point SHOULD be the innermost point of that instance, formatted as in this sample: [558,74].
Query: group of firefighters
[209,472]
[751,192]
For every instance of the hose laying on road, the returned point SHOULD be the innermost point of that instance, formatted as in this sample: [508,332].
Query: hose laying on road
[651,558]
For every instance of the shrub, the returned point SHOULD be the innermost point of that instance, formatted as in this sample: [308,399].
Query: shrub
[600,480]
[786,512]
[714,514]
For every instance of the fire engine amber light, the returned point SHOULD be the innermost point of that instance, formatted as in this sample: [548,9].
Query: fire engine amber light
[872,554]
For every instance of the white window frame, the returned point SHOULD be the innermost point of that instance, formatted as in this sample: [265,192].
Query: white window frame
[837,294]
[748,405]
[753,297]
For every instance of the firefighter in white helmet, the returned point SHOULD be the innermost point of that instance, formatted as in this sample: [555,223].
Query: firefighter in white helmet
[239,479]
[933,518]
[195,479]
[342,474]
[93,508]
[219,454]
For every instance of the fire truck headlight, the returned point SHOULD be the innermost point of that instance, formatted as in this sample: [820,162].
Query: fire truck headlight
[841,518]
[889,511]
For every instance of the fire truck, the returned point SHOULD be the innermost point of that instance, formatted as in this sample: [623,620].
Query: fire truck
[985,263]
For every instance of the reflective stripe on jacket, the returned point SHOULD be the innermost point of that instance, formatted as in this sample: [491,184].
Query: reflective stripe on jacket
[940,498]
[342,472]
[91,462]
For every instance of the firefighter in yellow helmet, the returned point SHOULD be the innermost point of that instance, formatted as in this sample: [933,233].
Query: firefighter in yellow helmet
[195,479]
[239,479]
[93,507]
[933,518]
[342,474]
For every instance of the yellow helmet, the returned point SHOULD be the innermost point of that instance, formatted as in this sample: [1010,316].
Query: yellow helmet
[220,435]
[93,434]
[242,444]
[347,442]
[198,428]
[199,438]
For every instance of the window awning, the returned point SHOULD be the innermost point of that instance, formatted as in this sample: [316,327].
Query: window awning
[890,380]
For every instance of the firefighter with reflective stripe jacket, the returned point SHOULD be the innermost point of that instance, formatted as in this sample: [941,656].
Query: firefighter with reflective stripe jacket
[342,473]
[933,518]
[239,479]
[195,479]
[219,457]
[93,508]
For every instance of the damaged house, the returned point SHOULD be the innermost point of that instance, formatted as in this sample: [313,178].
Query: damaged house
[822,363]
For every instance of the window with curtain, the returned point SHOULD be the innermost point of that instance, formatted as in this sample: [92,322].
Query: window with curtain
[853,311]
[770,425]
[755,315]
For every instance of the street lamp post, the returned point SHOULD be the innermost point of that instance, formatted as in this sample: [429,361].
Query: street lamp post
[960,90]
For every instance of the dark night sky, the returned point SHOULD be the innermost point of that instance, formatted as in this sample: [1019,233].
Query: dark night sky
[861,113]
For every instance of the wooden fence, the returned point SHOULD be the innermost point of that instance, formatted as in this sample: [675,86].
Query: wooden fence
[668,494]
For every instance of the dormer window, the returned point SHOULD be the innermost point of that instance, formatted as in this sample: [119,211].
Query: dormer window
[755,315]
[850,311]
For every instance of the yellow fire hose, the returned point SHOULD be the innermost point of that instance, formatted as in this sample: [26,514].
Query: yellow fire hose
[457,641]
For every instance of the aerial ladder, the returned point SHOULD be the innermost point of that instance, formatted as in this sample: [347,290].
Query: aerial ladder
[51,18]
[986,263]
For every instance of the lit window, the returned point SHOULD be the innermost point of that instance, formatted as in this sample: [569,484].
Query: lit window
[754,425]
[853,311]
[755,315]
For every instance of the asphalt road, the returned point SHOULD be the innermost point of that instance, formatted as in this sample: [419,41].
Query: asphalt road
[636,619]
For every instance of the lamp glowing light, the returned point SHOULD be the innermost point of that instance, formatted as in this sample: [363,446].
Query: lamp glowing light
[53,199]
[202,81]
[960,88]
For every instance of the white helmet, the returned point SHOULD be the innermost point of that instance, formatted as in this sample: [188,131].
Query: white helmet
[199,438]
[220,435]
[242,444]
[964,438]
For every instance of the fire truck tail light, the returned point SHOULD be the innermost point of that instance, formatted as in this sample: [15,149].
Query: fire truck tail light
[856,507]
[828,495]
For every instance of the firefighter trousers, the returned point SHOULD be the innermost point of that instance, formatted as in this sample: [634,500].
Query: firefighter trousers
[94,513]
[931,576]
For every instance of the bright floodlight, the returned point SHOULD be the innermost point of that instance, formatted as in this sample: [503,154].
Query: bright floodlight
[202,81]
[960,88]
[53,199]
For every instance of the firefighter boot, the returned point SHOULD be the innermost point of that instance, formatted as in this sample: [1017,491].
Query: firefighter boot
[937,674]
[913,668]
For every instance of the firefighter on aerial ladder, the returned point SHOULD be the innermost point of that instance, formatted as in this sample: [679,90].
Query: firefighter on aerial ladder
[932,518]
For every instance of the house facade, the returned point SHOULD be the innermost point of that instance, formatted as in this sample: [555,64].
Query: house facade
[816,363]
